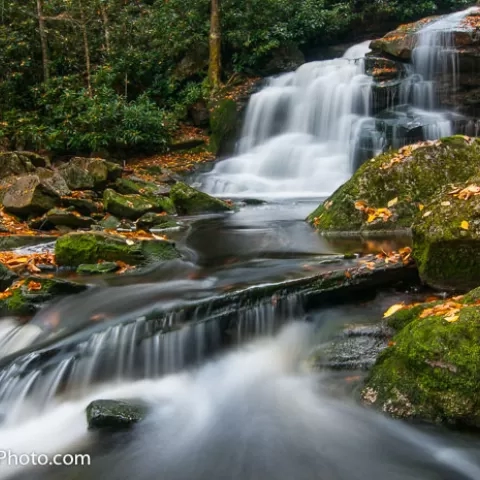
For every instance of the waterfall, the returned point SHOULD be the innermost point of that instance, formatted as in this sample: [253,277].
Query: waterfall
[307,131]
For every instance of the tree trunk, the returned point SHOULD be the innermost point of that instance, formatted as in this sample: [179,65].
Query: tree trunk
[106,27]
[43,41]
[86,47]
[215,61]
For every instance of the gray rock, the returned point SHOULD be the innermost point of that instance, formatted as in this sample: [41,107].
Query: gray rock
[113,414]
[7,277]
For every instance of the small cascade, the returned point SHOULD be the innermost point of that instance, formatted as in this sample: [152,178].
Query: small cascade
[144,348]
[307,131]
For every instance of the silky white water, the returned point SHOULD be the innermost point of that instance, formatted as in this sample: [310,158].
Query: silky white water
[306,132]
[256,413]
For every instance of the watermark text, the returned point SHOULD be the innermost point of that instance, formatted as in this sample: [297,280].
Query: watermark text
[7,457]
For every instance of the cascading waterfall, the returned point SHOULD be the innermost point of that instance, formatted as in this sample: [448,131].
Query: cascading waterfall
[307,131]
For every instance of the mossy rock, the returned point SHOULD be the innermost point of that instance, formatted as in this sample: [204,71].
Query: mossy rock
[224,120]
[431,371]
[134,206]
[97,268]
[110,222]
[189,201]
[113,414]
[156,221]
[28,295]
[79,248]
[446,241]
[409,184]
[128,186]
[67,218]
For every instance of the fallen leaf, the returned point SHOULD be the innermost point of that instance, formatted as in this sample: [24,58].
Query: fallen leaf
[34,286]
[427,214]
[393,202]
[445,204]
[465,225]
[451,318]
[421,206]
[393,309]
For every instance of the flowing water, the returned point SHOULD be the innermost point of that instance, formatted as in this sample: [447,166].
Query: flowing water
[225,371]
[307,131]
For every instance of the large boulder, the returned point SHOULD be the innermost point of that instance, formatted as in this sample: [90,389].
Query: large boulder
[134,206]
[189,201]
[430,371]
[19,163]
[389,191]
[67,218]
[446,238]
[89,173]
[113,414]
[53,180]
[30,195]
[79,248]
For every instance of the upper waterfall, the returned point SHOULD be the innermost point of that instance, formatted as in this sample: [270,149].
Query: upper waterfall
[307,131]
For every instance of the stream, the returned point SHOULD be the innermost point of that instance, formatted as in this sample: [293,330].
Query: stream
[226,373]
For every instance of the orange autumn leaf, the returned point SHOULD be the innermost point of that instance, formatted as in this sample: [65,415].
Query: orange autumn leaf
[34,286]
[394,309]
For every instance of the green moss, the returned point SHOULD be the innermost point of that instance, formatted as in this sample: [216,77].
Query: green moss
[412,181]
[447,255]
[432,371]
[79,248]
[403,317]
[223,123]
[189,201]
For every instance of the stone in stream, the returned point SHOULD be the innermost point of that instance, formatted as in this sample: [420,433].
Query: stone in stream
[189,201]
[97,268]
[27,295]
[113,414]
[430,371]
[401,182]
[78,248]
[134,206]
[156,221]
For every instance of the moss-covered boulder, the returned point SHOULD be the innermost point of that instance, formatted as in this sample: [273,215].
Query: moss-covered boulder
[129,186]
[26,296]
[134,206]
[387,192]
[79,248]
[446,238]
[431,370]
[189,201]
[89,173]
[113,414]
[19,163]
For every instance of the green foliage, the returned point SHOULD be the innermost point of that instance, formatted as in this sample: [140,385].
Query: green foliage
[147,58]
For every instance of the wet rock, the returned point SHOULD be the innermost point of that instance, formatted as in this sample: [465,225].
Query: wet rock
[19,163]
[78,248]
[285,58]
[113,414]
[134,206]
[7,277]
[401,181]
[26,296]
[156,221]
[89,173]
[53,180]
[97,268]
[29,195]
[189,201]
[446,240]
[110,222]
[67,218]
[430,370]
[224,123]
[356,348]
